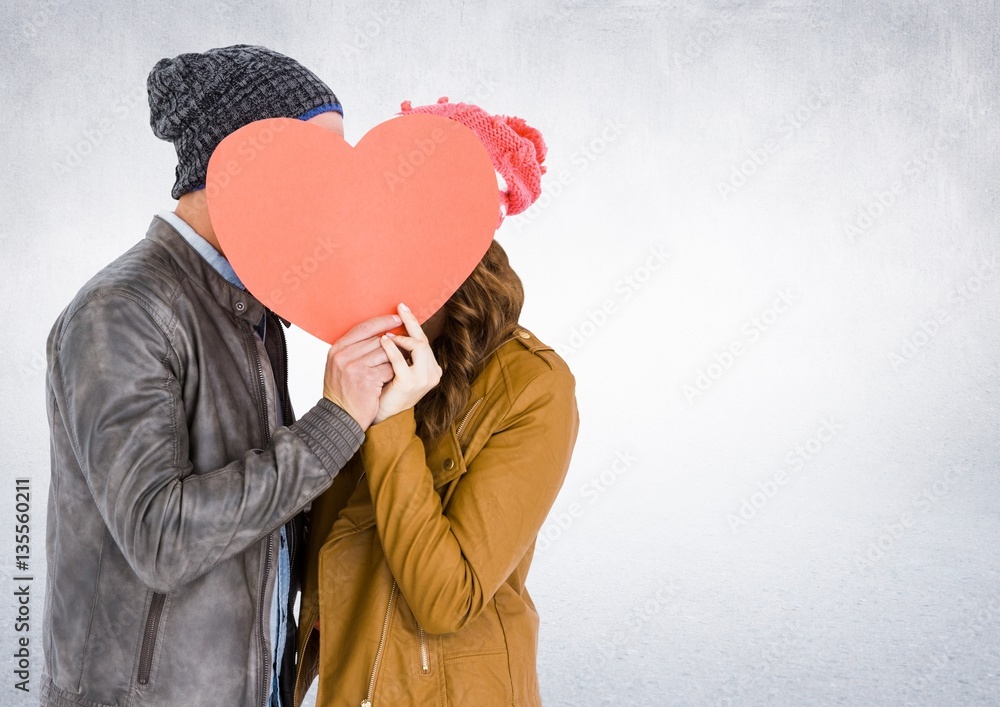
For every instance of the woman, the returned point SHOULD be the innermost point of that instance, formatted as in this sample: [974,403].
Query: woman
[414,589]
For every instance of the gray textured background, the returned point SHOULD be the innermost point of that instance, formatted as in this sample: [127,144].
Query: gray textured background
[823,178]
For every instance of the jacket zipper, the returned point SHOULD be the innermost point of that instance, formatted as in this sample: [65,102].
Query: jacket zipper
[149,637]
[262,409]
[263,633]
[367,702]
[262,403]
[425,663]
[465,419]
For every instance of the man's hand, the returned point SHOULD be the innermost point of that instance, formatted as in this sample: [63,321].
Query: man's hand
[356,368]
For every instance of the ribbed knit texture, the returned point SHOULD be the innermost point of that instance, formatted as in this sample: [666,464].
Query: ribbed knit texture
[331,433]
[196,99]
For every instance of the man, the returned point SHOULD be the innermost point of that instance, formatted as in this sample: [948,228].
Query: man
[179,471]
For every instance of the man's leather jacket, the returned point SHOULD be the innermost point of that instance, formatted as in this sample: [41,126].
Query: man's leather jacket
[170,484]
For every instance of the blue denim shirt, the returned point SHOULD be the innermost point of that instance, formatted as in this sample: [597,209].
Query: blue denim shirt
[279,605]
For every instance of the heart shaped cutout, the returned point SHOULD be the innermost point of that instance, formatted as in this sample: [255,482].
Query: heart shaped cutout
[328,235]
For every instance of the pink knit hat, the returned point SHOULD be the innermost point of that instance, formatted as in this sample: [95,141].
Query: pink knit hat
[516,148]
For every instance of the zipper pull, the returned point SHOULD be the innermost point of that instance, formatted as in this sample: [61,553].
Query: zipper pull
[366,703]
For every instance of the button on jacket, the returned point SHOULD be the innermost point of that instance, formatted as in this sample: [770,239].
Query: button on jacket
[417,558]
[170,483]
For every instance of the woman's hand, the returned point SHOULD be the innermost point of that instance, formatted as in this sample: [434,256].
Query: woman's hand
[411,381]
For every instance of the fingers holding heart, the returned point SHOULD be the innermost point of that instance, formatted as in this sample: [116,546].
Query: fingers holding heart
[411,323]
[396,358]
[417,343]
[411,381]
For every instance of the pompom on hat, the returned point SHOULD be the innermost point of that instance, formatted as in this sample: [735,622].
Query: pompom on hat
[517,150]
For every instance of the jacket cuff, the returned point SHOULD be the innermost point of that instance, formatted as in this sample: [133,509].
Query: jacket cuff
[402,424]
[331,434]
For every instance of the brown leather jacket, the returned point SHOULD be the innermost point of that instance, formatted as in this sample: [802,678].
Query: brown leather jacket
[424,606]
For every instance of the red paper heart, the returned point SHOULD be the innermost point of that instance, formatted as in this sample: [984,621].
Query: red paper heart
[328,235]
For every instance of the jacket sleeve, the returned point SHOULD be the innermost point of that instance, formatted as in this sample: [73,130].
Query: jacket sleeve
[116,385]
[450,564]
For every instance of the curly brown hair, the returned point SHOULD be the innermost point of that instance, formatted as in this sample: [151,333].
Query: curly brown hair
[480,316]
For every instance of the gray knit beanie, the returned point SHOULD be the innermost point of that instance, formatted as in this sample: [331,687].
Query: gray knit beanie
[196,99]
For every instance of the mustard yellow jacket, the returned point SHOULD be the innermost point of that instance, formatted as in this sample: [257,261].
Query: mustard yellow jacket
[416,558]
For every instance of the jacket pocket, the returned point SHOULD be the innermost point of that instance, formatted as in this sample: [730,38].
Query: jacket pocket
[478,680]
[483,635]
[149,634]
[475,662]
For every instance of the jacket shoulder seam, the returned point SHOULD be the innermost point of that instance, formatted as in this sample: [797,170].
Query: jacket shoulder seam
[164,324]
[504,359]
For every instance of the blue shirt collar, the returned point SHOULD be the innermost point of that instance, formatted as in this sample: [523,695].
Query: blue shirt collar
[204,248]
